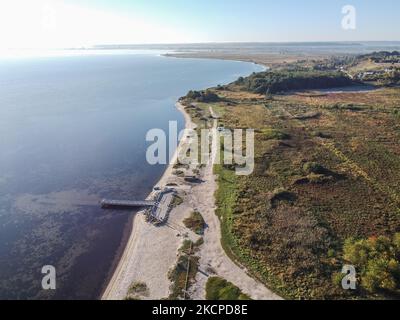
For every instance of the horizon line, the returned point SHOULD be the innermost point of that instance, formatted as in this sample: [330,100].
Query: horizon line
[248,42]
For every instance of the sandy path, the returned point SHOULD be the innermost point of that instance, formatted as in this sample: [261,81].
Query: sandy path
[212,255]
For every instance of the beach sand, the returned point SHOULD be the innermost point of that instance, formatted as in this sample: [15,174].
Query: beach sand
[152,251]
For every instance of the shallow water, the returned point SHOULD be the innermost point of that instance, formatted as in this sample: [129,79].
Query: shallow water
[72,131]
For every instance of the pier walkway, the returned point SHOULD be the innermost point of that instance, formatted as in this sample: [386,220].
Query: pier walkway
[126,204]
[157,211]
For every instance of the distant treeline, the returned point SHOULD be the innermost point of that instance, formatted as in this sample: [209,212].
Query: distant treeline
[282,81]
[383,57]
[206,96]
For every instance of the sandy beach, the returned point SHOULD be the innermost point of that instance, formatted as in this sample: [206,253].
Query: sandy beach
[152,251]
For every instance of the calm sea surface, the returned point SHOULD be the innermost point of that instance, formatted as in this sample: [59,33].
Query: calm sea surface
[72,131]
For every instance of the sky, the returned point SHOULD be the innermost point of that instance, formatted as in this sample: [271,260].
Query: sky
[77,23]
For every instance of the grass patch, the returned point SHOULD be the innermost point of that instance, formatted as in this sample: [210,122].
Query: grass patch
[226,198]
[220,289]
[176,201]
[195,223]
[137,290]
[273,134]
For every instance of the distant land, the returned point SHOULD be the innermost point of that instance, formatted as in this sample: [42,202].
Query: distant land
[266,47]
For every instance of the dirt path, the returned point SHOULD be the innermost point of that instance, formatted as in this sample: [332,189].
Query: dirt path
[212,255]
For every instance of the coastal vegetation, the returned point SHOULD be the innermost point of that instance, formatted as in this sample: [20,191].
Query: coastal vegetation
[325,186]
[195,223]
[185,270]
[137,290]
[377,260]
[203,96]
[271,82]
[176,201]
[220,289]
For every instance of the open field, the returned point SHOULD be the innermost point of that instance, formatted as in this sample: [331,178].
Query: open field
[327,169]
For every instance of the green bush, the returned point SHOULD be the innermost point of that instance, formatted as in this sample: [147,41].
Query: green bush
[176,201]
[313,167]
[337,278]
[271,82]
[380,274]
[376,261]
[203,96]
[195,223]
[220,289]
[137,290]
[272,134]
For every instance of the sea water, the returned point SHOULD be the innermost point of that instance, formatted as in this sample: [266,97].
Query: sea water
[72,131]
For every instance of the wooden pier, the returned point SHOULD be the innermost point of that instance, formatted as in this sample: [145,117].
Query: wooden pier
[157,211]
[126,204]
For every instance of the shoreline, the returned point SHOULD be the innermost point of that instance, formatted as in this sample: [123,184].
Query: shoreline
[267,61]
[109,293]
[127,232]
[139,252]
[146,241]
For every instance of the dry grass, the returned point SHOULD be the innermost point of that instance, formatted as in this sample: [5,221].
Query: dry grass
[299,240]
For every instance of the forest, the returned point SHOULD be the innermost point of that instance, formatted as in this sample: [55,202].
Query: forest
[273,82]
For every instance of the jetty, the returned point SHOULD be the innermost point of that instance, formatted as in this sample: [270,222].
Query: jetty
[126,204]
[157,211]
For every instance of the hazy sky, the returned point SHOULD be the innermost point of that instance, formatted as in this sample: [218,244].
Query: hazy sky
[66,23]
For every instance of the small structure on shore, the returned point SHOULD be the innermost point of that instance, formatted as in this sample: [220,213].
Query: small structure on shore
[157,211]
